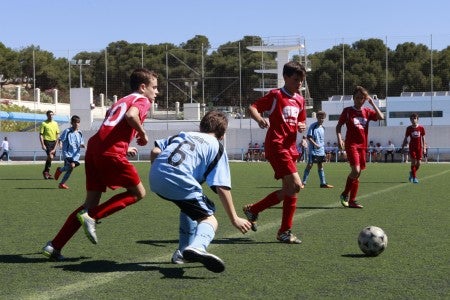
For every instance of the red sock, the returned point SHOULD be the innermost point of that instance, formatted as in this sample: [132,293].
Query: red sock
[348,186]
[354,190]
[413,171]
[289,206]
[269,201]
[113,205]
[67,230]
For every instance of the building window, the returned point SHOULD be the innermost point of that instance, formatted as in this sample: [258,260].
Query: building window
[422,114]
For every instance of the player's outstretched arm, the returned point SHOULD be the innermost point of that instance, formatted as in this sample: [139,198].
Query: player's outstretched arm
[227,201]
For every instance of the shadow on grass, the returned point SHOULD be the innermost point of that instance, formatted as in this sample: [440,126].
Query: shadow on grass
[222,241]
[24,259]
[310,207]
[21,179]
[157,243]
[108,266]
[384,182]
[353,255]
[38,188]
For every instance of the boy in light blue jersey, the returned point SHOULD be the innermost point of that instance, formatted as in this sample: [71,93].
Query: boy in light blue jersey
[316,146]
[71,141]
[180,164]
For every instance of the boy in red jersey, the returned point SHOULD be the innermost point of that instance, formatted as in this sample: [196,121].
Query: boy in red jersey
[356,118]
[106,163]
[287,115]
[416,135]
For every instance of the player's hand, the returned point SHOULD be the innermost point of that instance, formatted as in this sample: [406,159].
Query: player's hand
[263,123]
[142,139]
[301,127]
[242,224]
[132,151]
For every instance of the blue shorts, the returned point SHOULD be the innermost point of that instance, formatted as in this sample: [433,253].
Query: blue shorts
[69,161]
[196,209]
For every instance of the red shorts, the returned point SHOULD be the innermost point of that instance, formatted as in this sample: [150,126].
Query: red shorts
[283,163]
[416,154]
[356,156]
[111,171]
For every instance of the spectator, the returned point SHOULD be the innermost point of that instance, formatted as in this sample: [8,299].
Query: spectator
[405,153]
[5,148]
[328,151]
[371,152]
[390,150]
[425,152]
[379,151]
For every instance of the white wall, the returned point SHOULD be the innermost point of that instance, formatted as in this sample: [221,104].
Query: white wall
[240,133]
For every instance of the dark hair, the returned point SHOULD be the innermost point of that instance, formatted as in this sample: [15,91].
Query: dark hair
[141,76]
[359,90]
[294,67]
[75,118]
[321,113]
[214,122]
[414,116]
[49,112]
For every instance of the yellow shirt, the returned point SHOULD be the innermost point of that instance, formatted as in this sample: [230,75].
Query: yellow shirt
[49,130]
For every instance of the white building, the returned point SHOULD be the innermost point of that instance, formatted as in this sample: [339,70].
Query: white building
[433,108]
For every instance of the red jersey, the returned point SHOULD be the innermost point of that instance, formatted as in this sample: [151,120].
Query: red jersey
[115,135]
[285,112]
[357,123]
[415,135]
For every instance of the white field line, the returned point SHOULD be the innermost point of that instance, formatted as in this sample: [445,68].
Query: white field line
[105,278]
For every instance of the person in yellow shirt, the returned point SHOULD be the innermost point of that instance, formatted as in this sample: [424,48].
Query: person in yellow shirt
[48,136]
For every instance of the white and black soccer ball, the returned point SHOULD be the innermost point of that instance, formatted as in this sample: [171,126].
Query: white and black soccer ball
[372,240]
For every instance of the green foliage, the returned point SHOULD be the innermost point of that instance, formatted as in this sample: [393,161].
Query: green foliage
[14,126]
[132,259]
[334,71]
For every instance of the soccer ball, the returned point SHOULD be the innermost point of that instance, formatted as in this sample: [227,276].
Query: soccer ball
[372,240]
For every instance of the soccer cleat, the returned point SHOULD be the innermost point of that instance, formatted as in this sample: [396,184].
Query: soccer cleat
[88,224]
[57,173]
[410,177]
[354,204]
[46,174]
[63,186]
[288,237]
[52,253]
[415,180]
[210,261]
[251,216]
[326,186]
[344,200]
[49,176]
[177,258]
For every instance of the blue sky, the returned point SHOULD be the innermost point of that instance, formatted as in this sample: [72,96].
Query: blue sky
[66,27]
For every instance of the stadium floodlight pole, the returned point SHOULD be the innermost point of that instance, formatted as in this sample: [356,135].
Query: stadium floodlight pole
[80,63]
[191,84]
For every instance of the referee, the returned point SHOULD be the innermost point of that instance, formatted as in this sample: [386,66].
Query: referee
[48,135]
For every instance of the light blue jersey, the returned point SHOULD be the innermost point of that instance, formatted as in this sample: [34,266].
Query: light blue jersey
[317,133]
[179,170]
[71,143]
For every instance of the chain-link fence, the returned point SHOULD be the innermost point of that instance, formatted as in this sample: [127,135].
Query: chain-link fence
[232,76]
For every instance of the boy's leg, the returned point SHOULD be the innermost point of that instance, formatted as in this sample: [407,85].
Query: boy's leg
[306,174]
[289,207]
[269,201]
[66,232]
[321,173]
[187,231]
[196,252]
[66,176]
[114,204]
